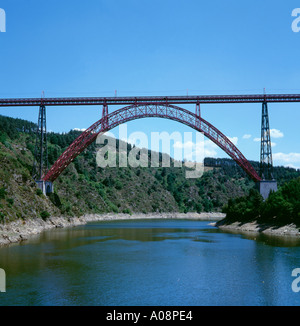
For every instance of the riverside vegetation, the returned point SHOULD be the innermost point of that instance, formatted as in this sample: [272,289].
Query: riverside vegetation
[84,188]
[281,207]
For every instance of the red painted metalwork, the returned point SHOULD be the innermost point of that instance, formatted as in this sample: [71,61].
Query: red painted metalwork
[151,100]
[134,112]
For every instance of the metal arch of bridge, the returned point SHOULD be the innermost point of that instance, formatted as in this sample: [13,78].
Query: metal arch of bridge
[133,112]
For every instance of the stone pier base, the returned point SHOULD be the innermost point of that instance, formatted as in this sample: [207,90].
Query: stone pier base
[264,187]
[45,186]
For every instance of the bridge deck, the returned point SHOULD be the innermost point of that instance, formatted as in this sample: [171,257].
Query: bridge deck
[150,100]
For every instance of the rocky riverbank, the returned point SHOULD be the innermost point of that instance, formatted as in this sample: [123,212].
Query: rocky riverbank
[254,227]
[21,230]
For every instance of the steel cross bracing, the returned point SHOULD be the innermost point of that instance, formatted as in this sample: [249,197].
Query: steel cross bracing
[150,100]
[40,164]
[138,111]
[266,162]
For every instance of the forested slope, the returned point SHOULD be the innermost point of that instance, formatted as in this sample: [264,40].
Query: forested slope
[86,188]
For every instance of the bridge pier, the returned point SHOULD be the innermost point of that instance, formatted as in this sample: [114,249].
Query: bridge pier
[45,186]
[268,183]
[265,187]
[40,164]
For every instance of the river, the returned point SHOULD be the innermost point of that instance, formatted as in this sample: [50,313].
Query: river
[167,262]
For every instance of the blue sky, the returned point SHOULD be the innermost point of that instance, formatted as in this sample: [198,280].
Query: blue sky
[149,47]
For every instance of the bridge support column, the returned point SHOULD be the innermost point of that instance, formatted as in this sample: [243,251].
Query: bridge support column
[40,164]
[198,114]
[266,162]
[198,111]
[265,187]
[45,186]
[104,124]
[268,182]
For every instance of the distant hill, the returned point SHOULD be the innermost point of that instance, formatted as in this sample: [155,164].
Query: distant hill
[86,188]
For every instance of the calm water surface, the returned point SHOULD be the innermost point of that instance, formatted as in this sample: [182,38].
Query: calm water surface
[150,262]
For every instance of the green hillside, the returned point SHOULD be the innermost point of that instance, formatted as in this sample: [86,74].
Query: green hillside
[86,188]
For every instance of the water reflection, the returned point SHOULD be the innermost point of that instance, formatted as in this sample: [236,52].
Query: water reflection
[150,262]
[143,230]
[268,239]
